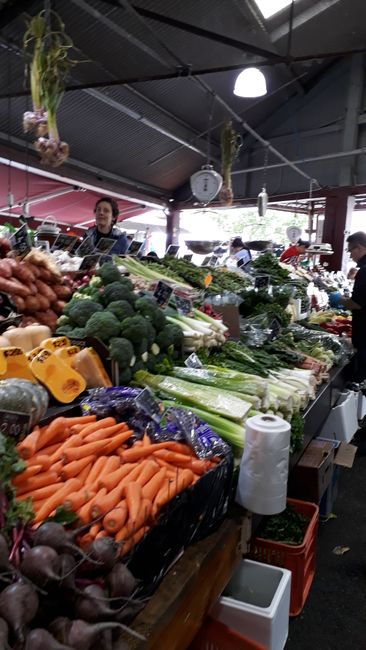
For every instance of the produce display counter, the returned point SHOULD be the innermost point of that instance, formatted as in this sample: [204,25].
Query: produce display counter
[175,613]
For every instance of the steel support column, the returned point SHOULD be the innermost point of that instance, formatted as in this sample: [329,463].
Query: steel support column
[338,213]
[353,109]
[172,227]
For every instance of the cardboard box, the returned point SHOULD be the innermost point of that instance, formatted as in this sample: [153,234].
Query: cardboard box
[313,473]
[344,455]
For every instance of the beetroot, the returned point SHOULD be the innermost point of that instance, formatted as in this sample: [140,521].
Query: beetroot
[105,551]
[39,639]
[4,631]
[54,535]
[120,581]
[41,565]
[83,635]
[18,606]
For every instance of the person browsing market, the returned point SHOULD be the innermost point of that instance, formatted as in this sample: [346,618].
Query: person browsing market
[106,214]
[291,254]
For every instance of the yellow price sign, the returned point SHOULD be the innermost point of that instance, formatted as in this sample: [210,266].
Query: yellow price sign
[208,279]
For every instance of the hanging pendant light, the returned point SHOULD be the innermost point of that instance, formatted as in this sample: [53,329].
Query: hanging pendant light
[262,200]
[251,82]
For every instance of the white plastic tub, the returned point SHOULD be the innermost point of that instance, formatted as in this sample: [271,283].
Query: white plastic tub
[256,603]
[342,422]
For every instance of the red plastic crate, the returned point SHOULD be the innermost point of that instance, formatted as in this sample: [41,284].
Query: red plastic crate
[300,559]
[214,635]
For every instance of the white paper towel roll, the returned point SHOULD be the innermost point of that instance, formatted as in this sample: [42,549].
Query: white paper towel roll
[262,484]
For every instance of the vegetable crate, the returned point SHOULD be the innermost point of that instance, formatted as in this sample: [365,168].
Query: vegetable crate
[214,635]
[299,559]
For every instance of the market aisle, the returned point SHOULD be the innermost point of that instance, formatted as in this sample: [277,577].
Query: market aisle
[334,616]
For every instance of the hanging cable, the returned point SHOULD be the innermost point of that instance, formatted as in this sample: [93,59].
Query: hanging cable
[211,106]
[10,196]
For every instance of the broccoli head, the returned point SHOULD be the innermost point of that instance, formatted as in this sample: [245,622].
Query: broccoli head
[134,328]
[121,350]
[121,309]
[146,305]
[103,325]
[170,335]
[125,376]
[77,333]
[80,311]
[63,320]
[116,291]
[108,273]
[64,330]
[96,282]
[139,365]
[159,364]
[126,282]
[150,333]
[141,349]
[159,320]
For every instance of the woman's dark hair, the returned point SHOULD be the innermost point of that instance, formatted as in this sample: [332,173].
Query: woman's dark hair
[112,203]
[301,242]
[238,243]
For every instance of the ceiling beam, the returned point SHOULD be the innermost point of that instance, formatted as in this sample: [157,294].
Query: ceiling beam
[11,9]
[352,110]
[308,14]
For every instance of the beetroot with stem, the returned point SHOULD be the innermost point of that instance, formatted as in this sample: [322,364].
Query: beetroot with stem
[4,634]
[18,606]
[5,564]
[39,639]
[105,551]
[54,535]
[93,606]
[41,565]
[120,581]
[83,635]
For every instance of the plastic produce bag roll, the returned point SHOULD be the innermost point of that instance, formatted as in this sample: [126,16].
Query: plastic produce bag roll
[262,484]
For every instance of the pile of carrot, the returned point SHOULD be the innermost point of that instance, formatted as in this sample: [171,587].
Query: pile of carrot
[86,467]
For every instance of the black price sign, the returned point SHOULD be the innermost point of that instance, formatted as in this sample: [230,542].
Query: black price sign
[134,247]
[7,307]
[275,326]
[147,403]
[86,248]
[89,262]
[193,361]
[206,261]
[64,242]
[105,245]
[261,282]
[162,293]
[172,250]
[14,425]
[188,258]
[183,303]
[21,242]
[213,260]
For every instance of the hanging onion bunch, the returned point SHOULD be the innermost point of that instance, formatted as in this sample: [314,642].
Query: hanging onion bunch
[230,145]
[49,70]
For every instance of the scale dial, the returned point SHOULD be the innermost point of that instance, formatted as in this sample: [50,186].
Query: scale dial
[206,184]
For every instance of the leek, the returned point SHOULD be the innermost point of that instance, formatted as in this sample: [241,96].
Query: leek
[223,378]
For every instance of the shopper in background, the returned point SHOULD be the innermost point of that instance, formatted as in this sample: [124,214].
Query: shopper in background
[357,302]
[106,213]
[240,252]
[291,254]
[352,273]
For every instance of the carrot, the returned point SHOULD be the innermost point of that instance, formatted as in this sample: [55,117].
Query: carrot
[170,490]
[71,441]
[38,481]
[132,475]
[179,447]
[57,440]
[85,540]
[94,530]
[173,457]
[112,463]
[151,488]
[84,512]
[30,471]
[75,453]
[80,419]
[110,481]
[141,520]
[199,466]
[83,475]
[135,454]
[75,467]
[45,451]
[57,499]
[41,459]
[102,504]
[146,441]
[41,493]
[37,505]
[116,518]
[57,467]
[132,541]
[133,493]
[96,469]
[102,533]
[96,426]
[104,433]
[28,446]
[118,440]
[76,500]
[56,427]
[150,468]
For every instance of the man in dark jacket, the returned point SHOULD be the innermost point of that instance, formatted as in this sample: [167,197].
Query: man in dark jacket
[106,213]
[357,303]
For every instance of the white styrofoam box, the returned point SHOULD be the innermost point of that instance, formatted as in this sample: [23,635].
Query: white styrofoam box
[361,406]
[342,422]
[256,603]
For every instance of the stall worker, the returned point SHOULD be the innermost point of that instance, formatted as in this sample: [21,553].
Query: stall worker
[240,252]
[291,254]
[106,213]
[357,303]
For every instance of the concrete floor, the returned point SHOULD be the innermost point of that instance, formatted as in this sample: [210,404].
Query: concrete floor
[334,615]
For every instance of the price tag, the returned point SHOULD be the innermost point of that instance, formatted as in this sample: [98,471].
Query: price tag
[105,245]
[147,403]
[64,242]
[7,307]
[162,293]
[183,303]
[172,250]
[14,425]
[134,247]
[11,321]
[261,281]
[89,262]
[193,361]
[86,248]
[188,258]
[275,327]
[206,261]
[208,280]
[21,242]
